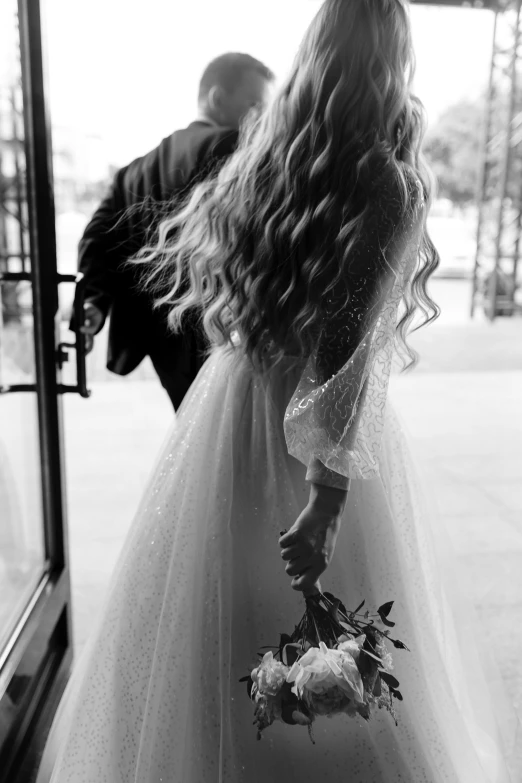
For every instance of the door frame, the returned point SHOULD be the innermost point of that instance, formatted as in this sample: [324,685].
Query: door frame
[35,665]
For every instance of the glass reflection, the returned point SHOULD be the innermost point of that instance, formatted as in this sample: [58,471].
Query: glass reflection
[21,522]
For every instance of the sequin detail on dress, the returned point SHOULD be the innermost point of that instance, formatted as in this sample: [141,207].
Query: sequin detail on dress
[335,419]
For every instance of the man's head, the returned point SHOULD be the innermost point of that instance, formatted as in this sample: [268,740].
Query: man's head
[231,85]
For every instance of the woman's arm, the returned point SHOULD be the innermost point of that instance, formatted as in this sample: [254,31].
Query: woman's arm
[335,420]
[309,545]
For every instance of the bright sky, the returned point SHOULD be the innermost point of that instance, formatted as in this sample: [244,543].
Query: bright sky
[128,69]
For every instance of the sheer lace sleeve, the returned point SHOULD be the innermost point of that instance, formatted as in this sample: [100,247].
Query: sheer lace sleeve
[335,419]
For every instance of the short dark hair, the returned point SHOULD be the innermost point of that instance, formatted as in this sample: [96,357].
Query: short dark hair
[227,71]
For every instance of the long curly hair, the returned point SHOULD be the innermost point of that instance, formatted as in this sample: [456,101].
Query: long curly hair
[257,248]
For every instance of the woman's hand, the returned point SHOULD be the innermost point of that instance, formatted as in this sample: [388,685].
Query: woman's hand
[309,545]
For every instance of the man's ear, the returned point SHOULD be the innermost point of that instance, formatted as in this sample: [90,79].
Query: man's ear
[215,99]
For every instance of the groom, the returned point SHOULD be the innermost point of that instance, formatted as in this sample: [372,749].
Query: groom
[230,86]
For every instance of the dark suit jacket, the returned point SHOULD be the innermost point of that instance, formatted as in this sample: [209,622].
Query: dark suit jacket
[120,227]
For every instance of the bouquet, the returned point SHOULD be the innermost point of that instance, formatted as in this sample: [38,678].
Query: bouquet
[335,662]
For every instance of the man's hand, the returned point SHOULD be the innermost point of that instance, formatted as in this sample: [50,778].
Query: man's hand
[92,324]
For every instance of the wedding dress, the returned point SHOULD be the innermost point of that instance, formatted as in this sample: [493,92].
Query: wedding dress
[200,586]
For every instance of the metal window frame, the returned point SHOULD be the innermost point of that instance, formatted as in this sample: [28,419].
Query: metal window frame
[37,662]
[496,264]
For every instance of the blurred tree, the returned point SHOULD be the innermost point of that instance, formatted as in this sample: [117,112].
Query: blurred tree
[453,148]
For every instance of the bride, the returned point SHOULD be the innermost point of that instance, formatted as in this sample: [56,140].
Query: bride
[307,257]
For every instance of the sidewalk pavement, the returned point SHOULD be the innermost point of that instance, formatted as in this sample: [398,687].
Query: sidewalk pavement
[461,408]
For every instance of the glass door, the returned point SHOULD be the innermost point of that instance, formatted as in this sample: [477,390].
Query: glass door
[22,547]
[35,623]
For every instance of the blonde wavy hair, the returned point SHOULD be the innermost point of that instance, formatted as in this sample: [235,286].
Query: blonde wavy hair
[256,248]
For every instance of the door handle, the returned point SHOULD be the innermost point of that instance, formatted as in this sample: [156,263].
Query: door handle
[79,345]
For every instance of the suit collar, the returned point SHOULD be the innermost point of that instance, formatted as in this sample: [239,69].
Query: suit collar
[203,121]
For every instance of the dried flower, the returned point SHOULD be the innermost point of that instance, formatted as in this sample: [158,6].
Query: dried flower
[263,713]
[384,654]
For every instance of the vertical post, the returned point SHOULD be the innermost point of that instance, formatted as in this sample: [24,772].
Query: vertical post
[518,229]
[505,167]
[484,166]
[44,276]
[18,180]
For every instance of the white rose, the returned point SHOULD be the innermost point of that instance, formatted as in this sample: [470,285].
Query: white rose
[352,646]
[321,669]
[270,675]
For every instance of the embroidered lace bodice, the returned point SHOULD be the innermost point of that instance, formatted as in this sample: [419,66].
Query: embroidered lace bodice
[335,419]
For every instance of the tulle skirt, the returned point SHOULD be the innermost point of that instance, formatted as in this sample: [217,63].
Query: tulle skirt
[200,587]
